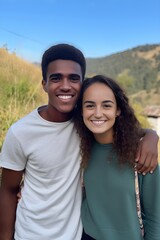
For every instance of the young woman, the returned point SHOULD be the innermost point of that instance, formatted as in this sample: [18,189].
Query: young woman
[110,134]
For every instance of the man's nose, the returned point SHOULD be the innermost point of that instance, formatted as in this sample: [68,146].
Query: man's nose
[66,85]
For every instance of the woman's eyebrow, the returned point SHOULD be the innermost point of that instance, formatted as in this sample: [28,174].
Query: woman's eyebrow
[87,101]
[106,101]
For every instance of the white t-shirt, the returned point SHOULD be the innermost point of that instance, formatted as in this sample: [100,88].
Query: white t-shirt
[51,197]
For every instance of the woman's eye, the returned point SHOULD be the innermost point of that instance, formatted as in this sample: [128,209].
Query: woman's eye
[89,106]
[106,106]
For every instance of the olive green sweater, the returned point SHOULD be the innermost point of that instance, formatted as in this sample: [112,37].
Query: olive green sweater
[109,208]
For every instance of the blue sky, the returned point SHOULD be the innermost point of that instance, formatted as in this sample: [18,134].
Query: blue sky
[97,27]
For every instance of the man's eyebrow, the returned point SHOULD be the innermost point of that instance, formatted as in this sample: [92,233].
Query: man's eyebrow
[55,75]
[74,75]
[60,74]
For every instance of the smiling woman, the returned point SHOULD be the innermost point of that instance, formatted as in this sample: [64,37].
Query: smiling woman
[99,112]
[110,134]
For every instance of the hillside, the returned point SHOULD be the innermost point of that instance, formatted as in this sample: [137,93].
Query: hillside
[136,69]
[19,80]
[20,89]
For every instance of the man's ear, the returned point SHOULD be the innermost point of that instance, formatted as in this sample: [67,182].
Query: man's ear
[44,83]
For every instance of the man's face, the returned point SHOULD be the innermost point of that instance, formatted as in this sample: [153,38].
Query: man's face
[63,83]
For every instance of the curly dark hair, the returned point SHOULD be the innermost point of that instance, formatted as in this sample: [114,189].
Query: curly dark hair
[127,129]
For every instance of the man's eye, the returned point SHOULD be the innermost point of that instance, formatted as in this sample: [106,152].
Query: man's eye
[74,78]
[56,78]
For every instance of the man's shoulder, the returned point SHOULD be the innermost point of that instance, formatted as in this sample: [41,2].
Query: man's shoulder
[29,117]
[24,122]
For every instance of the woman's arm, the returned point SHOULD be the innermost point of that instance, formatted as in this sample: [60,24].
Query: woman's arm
[150,200]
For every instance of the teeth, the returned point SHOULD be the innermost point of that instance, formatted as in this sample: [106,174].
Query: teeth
[65,97]
[98,122]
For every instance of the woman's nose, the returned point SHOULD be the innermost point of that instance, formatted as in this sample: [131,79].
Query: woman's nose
[98,112]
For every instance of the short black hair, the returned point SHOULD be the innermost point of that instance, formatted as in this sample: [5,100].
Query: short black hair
[65,52]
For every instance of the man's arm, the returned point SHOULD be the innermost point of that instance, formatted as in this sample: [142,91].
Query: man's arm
[147,154]
[8,202]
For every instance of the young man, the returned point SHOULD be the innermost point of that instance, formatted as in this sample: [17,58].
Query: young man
[45,147]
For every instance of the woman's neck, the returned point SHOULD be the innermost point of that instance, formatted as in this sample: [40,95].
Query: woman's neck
[104,138]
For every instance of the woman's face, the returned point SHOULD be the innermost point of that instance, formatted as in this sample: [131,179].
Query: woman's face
[99,110]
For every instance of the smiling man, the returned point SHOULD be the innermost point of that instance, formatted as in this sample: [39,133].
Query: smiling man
[44,146]
[62,84]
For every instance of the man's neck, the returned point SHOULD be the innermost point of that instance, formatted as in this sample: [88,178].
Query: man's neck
[50,116]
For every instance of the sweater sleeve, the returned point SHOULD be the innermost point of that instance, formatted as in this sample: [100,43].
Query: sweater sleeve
[150,200]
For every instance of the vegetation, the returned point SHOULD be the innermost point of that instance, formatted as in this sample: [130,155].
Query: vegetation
[137,69]
[20,89]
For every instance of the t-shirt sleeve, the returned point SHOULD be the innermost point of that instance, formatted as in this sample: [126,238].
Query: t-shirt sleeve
[151,204]
[12,155]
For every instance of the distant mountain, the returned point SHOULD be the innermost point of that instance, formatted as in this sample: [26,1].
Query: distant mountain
[136,69]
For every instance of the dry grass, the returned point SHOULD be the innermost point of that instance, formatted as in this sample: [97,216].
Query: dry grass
[150,55]
[145,98]
[20,89]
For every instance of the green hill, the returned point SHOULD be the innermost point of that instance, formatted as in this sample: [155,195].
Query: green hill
[136,69]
